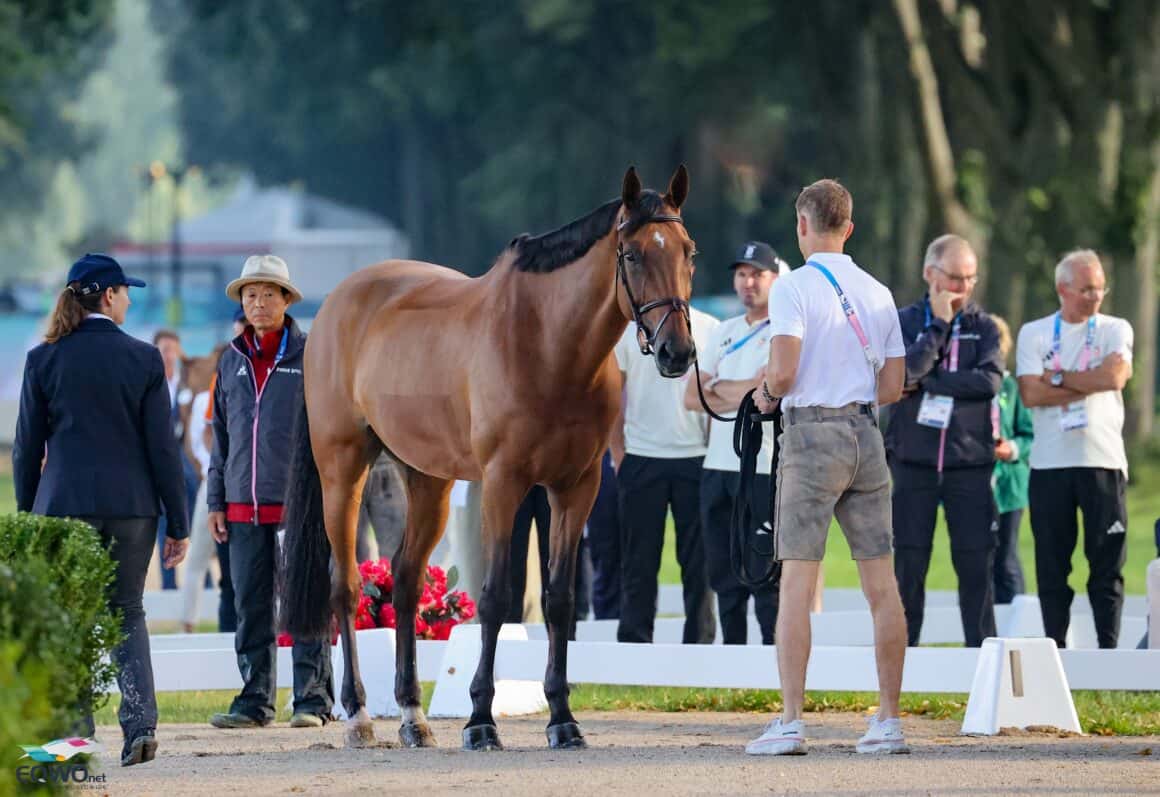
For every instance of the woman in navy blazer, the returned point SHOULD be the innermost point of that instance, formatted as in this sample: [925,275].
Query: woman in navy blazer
[93,441]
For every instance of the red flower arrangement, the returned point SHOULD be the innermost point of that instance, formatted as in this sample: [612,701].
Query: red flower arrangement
[441,607]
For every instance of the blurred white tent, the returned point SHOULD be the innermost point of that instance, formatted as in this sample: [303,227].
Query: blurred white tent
[321,240]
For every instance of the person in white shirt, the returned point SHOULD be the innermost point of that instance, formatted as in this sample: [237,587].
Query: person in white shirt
[732,365]
[657,447]
[1072,367]
[836,354]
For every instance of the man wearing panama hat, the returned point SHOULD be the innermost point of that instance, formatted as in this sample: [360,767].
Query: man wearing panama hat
[256,399]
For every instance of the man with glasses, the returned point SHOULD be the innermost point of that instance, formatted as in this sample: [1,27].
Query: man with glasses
[942,436]
[1072,367]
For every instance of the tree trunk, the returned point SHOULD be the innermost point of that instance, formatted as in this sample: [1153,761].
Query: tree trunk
[1142,409]
[940,160]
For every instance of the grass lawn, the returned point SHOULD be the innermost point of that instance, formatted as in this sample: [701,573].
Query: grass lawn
[1102,713]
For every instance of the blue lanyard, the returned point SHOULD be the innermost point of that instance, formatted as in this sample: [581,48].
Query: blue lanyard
[955,327]
[739,343]
[1088,343]
[281,346]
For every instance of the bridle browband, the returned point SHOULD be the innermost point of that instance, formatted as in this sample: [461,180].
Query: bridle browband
[646,337]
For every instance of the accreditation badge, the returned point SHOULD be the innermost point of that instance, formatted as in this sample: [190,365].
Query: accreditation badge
[1073,416]
[935,411]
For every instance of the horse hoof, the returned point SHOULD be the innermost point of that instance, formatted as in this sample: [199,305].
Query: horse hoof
[414,734]
[360,736]
[481,738]
[566,736]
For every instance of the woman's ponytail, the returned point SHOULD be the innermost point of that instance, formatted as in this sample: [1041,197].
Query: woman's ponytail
[70,311]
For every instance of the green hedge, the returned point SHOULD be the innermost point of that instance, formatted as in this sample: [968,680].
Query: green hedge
[31,645]
[56,631]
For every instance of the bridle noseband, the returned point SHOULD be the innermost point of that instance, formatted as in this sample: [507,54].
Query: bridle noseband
[646,337]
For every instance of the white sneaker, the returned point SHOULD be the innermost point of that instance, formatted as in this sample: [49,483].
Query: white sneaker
[883,736]
[780,738]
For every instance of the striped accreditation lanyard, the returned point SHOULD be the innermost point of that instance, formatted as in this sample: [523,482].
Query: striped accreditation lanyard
[1085,357]
[856,325]
[952,367]
[739,343]
[1073,417]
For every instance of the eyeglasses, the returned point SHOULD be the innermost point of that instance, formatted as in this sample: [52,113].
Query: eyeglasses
[1092,293]
[968,280]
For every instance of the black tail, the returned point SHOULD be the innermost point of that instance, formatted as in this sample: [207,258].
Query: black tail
[304,586]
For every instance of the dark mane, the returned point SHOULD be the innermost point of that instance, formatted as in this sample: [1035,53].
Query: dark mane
[553,250]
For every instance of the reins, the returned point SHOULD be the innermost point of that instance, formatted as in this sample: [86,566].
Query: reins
[746,541]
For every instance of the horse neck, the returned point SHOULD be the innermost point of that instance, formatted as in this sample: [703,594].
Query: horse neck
[578,319]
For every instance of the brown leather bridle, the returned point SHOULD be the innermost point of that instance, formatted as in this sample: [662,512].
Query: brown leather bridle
[646,336]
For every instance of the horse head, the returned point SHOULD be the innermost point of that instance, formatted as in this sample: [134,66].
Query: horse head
[655,266]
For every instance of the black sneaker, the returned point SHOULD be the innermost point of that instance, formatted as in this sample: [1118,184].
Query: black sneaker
[139,750]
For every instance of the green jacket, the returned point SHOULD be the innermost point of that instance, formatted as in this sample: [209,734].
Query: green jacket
[1010,479]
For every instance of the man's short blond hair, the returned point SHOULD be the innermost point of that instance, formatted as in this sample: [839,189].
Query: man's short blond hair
[827,204]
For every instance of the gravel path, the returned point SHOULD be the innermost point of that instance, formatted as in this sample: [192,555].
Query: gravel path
[637,753]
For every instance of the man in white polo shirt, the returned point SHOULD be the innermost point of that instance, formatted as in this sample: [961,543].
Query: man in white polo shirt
[732,365]
[836,354]
[657,447]
[1072,366]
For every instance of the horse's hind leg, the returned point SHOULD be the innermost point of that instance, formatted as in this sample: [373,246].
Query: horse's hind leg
[343,461]
[427,500]
[570,509]
[502,493]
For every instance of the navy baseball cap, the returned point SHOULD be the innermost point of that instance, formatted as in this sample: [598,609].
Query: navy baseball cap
[759,255]
[95,272]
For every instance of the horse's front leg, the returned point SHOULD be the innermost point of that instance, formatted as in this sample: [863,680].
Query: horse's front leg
[502,493]
[570,509]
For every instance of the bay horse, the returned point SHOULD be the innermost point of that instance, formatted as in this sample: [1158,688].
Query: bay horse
[506,378]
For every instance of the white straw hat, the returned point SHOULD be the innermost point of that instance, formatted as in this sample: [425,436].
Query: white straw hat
[263,268]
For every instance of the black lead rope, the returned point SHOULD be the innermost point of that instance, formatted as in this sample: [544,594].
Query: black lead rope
[751,544]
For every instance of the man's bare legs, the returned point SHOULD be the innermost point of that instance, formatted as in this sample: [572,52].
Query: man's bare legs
[798,579]
[881,591]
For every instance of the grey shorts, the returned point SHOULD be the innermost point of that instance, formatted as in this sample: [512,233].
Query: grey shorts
[832,464]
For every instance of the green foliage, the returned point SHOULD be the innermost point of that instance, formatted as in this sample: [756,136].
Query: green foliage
[67,557]
[35,640]
[46,49]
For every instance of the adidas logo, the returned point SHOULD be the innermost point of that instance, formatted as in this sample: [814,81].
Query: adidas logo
[242,371]
[1116,528]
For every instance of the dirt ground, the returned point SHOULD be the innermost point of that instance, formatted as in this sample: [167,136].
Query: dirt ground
[635,753]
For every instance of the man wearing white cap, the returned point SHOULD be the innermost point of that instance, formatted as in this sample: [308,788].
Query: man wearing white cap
[256,399]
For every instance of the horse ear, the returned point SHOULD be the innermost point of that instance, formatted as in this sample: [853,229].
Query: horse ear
[630,192]
[678,187]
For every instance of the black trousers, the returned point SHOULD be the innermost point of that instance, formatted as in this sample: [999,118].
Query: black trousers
[130,542]
[719,490]
[1008,568]
[1100,494]
[649,488]
[535,507]
[252,554]
[969,506]
[604,545]
[227,614]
